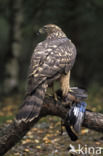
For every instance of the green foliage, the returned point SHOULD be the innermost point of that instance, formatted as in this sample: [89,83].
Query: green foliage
[3,119]
[95,100]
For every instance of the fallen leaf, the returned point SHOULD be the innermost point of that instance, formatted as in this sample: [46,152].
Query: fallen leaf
[26,150]
[83,131]
[38,147]
[36,141]
[26,141]
[97,143]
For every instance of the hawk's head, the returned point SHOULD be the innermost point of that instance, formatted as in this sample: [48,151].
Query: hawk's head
[52,30]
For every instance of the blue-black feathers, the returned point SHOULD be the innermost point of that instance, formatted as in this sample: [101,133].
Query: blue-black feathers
[75,115]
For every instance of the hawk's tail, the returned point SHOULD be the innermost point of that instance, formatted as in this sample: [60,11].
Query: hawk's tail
[32,105]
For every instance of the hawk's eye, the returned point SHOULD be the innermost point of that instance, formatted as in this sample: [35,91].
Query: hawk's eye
[45,28]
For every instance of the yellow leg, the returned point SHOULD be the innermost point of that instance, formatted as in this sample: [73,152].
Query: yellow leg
[54,93]
[65,83]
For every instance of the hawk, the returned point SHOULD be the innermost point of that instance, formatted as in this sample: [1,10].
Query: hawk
[52,60]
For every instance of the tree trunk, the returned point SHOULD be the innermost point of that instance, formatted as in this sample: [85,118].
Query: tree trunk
[11,80]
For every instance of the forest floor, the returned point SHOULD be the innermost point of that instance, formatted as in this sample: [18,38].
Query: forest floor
[45,139]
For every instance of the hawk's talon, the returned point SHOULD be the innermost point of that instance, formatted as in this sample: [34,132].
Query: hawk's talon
[55,97]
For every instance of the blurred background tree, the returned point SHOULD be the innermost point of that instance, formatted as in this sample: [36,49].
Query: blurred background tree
[81,20]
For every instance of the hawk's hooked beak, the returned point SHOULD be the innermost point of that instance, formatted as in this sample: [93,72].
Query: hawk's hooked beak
[41,31]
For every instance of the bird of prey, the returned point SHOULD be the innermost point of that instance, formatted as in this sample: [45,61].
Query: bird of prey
[52,59]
